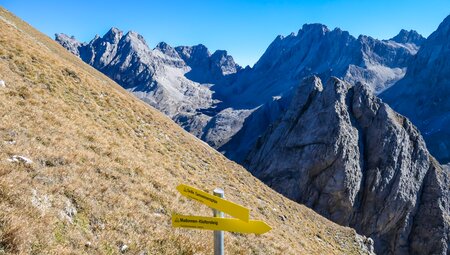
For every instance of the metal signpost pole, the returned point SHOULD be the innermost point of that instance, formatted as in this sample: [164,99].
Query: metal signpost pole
[218,235]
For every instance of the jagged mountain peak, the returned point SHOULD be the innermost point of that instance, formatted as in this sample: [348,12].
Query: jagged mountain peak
[96,37]
[135,36]
[113,35]
[318,50]
[62,36]
[442,33]
[136,42]
[365,38]
[114,30]
[314,27]
[411,36]
[193,53]
[362,165]
[308,29]
[163,46]
[225,62]
[445,23]
[221,57]
[282,37]
[200,47]
[167,49]
[68,42]
[220,53]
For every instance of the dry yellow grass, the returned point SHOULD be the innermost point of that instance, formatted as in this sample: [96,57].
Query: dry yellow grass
[117,161]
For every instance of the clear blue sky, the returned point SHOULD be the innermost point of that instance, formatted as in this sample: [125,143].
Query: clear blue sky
[244,28]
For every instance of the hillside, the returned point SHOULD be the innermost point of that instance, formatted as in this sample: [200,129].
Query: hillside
[104,167]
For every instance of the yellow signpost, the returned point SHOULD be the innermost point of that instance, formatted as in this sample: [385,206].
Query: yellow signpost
[215,202]
[225,224]
[240,224]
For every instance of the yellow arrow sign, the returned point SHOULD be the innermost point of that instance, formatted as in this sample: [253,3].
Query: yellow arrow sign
[224,224]
[215,202]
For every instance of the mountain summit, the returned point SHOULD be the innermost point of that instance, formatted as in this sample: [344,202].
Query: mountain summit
[410,36]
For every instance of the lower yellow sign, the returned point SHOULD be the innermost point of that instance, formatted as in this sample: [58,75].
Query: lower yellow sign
[215,223]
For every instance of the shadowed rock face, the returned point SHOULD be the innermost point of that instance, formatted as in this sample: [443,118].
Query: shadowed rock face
[344,153]
[69,42]
[423,94]
[410,36]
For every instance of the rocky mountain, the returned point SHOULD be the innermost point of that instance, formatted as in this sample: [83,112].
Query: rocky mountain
[410,36]
[344,153]
[313,50]
[87,168]
[423,94]
[70,43]
[176,80]
[211,96]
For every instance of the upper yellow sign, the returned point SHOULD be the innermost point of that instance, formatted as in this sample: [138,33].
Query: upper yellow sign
[215,202]
[225,224]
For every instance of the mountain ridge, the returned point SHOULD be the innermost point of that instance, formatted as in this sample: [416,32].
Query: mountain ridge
[344,153]
[216,96]
[411,36]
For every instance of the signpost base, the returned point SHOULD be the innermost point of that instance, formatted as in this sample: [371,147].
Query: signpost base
[218,235]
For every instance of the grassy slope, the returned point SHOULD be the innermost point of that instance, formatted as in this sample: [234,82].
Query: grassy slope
[117,161]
